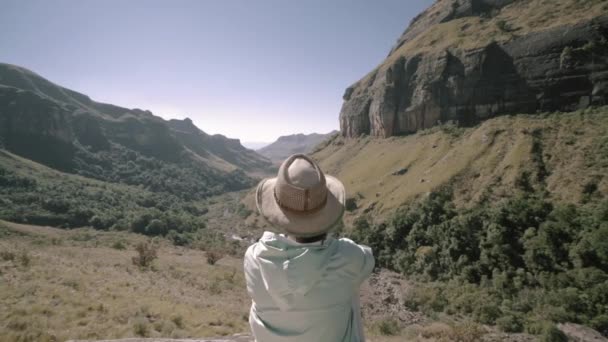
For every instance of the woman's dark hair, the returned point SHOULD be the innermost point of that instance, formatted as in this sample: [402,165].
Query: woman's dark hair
[311,239]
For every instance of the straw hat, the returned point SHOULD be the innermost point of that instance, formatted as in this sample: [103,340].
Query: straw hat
[301,200]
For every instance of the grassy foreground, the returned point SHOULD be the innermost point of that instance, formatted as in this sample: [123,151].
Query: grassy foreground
[82,284]
[58,284]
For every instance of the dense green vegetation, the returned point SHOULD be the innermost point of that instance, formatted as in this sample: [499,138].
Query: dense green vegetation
[186,179]
[68,203]
[520,263]
[35,195]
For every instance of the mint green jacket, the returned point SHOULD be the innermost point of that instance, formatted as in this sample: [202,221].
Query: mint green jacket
[306,292]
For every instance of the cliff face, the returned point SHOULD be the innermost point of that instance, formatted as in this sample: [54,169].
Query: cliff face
[466,61]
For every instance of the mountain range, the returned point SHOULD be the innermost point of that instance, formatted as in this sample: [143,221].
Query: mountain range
[292,144]
[68,131]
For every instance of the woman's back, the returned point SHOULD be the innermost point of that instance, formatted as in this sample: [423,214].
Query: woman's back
[306,292]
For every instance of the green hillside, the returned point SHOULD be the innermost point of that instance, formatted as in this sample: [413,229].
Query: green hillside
[35,194]
[505,222]
[62,284]
[68,131]
[564,155]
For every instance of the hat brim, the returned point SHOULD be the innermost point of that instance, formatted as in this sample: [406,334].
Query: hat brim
[302,224]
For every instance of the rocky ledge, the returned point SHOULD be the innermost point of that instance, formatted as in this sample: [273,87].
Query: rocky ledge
[468,60]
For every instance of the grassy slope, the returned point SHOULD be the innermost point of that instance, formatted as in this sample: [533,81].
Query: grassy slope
[479,161]
[45,175]
[521,18]
[223,214]
[77,286]
[99,196]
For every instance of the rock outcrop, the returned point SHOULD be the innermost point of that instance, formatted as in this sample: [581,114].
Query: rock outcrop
[581,333]
[465,61]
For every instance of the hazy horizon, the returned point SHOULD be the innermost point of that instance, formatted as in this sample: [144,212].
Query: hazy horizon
[286,64]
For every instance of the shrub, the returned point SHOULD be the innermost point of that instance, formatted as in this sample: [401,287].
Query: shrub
[510,323]
[100,222]
[230,277]
[179,239]
[119,245]
[242,211]
[213,256]
[24,259]
[387,327]
[553,334]
[566,57]
[428,298]
[503,26]
[141,327]
[589,188]
[178,320]
[215,288]
[7,255]
[350,204]
[487,313]
[146,254]
[523,181]
[468,331]
[156,227]
[600,323]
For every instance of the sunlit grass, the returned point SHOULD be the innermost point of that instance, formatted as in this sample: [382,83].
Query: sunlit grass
[77,286]
[478,161]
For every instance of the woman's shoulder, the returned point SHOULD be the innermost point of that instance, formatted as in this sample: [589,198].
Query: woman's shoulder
[354,251]
[355,259]
[349,246]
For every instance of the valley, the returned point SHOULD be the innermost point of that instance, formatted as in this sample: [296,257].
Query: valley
[494,162]
[475,161]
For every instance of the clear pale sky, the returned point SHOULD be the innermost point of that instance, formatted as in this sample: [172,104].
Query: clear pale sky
[248,69]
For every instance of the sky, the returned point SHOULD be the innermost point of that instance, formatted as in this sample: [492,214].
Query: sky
[248,69]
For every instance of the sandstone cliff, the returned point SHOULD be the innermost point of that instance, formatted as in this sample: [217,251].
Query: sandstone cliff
[468,60]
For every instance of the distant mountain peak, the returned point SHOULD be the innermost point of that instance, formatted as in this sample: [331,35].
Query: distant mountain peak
[185,125]
[287,145]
